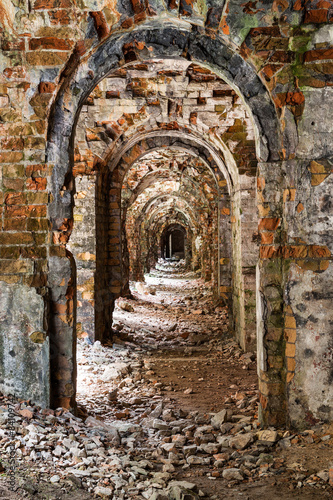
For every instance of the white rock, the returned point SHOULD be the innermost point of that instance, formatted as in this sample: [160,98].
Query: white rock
[224,441]
[58,451]
[241,441]
[232,474]
[219,418]
[193,460]
[160,425]
[168,447]
[103,492]
[183,484]
[267,436]
[324,475]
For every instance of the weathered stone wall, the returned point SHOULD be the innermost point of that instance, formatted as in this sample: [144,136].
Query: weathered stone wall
[277,58]
[82,244]
[23,341]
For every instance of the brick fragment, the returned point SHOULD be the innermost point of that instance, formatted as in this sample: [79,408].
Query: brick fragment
[269,224]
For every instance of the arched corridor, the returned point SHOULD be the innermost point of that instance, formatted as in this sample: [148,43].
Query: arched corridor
[165,191]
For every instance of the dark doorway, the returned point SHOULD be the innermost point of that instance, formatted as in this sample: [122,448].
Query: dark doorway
[174,242]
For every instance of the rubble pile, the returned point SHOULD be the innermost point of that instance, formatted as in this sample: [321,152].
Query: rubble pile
[136,436]
[138,441]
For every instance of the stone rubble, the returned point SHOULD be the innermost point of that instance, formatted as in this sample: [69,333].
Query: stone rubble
[137,454]
[131,440]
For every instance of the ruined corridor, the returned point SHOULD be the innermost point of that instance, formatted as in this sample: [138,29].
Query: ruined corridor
[165,246]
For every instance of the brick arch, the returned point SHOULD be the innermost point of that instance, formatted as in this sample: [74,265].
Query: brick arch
[142,43]
[137,267]
[165,41]
[150,226]
[165,226]
[160,173]
[229,212]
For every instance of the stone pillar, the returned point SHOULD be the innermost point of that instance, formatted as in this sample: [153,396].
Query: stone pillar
[308,213]
[62,323]
[24,342]
[227,289]
[270,305]
[107,236]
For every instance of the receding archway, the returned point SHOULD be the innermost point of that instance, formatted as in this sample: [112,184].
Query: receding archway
[173,243]
[212,53]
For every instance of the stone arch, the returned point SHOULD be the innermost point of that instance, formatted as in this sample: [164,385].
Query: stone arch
[227,186]
[153,225]
[145,42]
[169,230]
[171,41]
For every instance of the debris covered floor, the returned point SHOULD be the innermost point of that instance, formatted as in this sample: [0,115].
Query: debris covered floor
[169,411]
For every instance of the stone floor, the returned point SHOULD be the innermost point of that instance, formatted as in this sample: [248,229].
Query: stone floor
[168,411]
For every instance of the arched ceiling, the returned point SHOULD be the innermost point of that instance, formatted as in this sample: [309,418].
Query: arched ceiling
[166,99]
[166,182]
[164,95]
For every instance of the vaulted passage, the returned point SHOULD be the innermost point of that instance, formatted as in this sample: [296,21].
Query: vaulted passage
[186,141]
[173,242]
[164,174]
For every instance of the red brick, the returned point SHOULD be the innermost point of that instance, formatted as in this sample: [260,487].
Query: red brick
[15,224]
[57,251]
[290,350]
[269,252]
[298,5]
[59,17]
[316,16]
[37,225]
[324,4]
[52,4]
[16,211]
[15,199]
[317,251]
[11,157]
[269,224]
[294,98]
[37,184]
[33,252]
[294,251]
[138,6]
[193,118]
[272,31]
[101,25]
[290,335]
[110,94]
[128,23]
[14,184]
[34,142]
[318,55]
[12,143]
[270,69]
[37,211]
[280,56]
[266,238]
[18,44]
[15,73]
[10,252]
[50,43]
[46,87]
[15,238]
[35,171]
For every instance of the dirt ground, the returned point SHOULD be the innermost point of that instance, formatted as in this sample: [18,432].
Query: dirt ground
[184,356]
